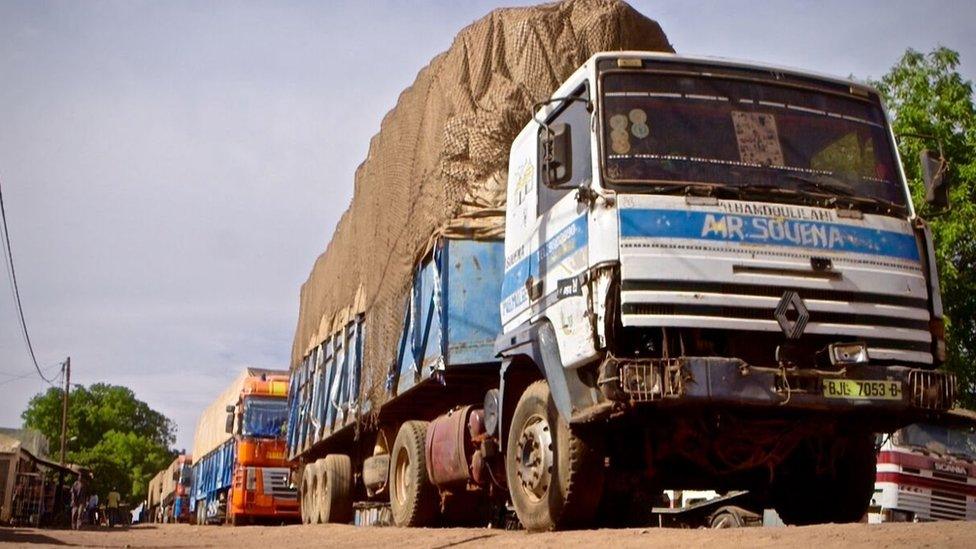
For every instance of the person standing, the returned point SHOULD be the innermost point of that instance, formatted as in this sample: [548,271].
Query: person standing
[93,509]
[113,507]
[79,500]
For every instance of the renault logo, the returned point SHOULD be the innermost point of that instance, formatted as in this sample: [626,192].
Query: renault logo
[792,328]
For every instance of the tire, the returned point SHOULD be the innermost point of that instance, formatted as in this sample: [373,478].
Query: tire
[414,500]
[309,489]
[725,518]
[555,473]
[803,494]
[334,493]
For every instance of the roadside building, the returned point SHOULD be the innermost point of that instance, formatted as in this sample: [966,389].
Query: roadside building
[29,481]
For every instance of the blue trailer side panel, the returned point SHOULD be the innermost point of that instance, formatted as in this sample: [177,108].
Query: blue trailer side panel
[472,320]
[452,319]
[326,389]
[212,475]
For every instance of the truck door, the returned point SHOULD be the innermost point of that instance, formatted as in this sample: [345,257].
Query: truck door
[556,287]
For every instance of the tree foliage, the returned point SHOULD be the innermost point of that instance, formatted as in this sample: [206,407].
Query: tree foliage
[926,95]
[122,439]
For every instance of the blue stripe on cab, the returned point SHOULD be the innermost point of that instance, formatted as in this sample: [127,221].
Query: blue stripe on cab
[724,227]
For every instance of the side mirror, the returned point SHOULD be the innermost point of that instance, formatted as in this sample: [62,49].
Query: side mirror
[557,155]
[935,176]
[229,425]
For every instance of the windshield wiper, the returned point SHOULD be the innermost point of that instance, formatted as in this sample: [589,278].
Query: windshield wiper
[738,190]
[838,190]
[831,186]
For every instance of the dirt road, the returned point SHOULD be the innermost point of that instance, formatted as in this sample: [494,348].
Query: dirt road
[268,537]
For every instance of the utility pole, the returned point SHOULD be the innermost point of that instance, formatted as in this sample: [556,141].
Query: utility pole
[59,503]
[64,407]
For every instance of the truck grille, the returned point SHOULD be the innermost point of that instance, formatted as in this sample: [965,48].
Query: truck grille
[895,328]
[276,483]
[933,506]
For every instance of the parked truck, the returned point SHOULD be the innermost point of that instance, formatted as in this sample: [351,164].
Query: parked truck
[243,474]
[712,277]
[154,508]
[174,490]
[926,472]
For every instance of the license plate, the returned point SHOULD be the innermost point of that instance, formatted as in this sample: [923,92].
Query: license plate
[856,389]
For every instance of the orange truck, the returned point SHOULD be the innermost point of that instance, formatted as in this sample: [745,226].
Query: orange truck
[244,475]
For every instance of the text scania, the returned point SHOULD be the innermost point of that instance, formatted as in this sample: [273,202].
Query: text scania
[765,229]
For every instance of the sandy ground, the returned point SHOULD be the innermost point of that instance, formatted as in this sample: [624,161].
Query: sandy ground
[957,534]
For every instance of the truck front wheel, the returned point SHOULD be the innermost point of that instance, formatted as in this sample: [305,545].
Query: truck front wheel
[826,480]
[555,472]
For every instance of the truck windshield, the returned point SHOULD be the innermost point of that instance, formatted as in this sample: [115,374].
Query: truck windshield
[748,137]
[185,475]
[264,417]
[941,440]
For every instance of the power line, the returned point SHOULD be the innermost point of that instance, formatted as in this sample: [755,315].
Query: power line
[47,367]
[13,277]
[30,373]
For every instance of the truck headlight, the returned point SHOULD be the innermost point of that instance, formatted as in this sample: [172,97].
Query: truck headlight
[845,354]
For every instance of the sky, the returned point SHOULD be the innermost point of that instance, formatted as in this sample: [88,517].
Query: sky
[171,170]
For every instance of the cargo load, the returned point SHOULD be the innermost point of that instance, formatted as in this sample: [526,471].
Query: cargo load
[438,166]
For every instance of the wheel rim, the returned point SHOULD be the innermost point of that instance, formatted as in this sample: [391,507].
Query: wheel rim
[401,482]
[534,457]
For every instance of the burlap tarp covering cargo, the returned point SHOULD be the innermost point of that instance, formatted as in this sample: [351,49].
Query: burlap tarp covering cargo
[438,165]
[154,492]
[168,488]
[211,427]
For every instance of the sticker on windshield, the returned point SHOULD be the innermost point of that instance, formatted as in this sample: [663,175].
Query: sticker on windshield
[620,146]
[639,128]
[619,138]
[618,122]
[757,137]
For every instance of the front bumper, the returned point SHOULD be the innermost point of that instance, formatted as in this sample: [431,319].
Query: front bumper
[923,395]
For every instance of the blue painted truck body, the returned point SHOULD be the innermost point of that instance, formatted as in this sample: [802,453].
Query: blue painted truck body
[213,475]
[451,320]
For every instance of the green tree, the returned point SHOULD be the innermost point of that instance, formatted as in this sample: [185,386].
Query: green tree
[122,439]
[926,95]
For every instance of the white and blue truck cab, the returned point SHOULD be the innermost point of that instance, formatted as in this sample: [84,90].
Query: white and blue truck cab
[714,278]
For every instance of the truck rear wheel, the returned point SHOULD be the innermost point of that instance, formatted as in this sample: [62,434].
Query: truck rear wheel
[555,472]
[309,510]
[414,500]
[334,489]
[836,488]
